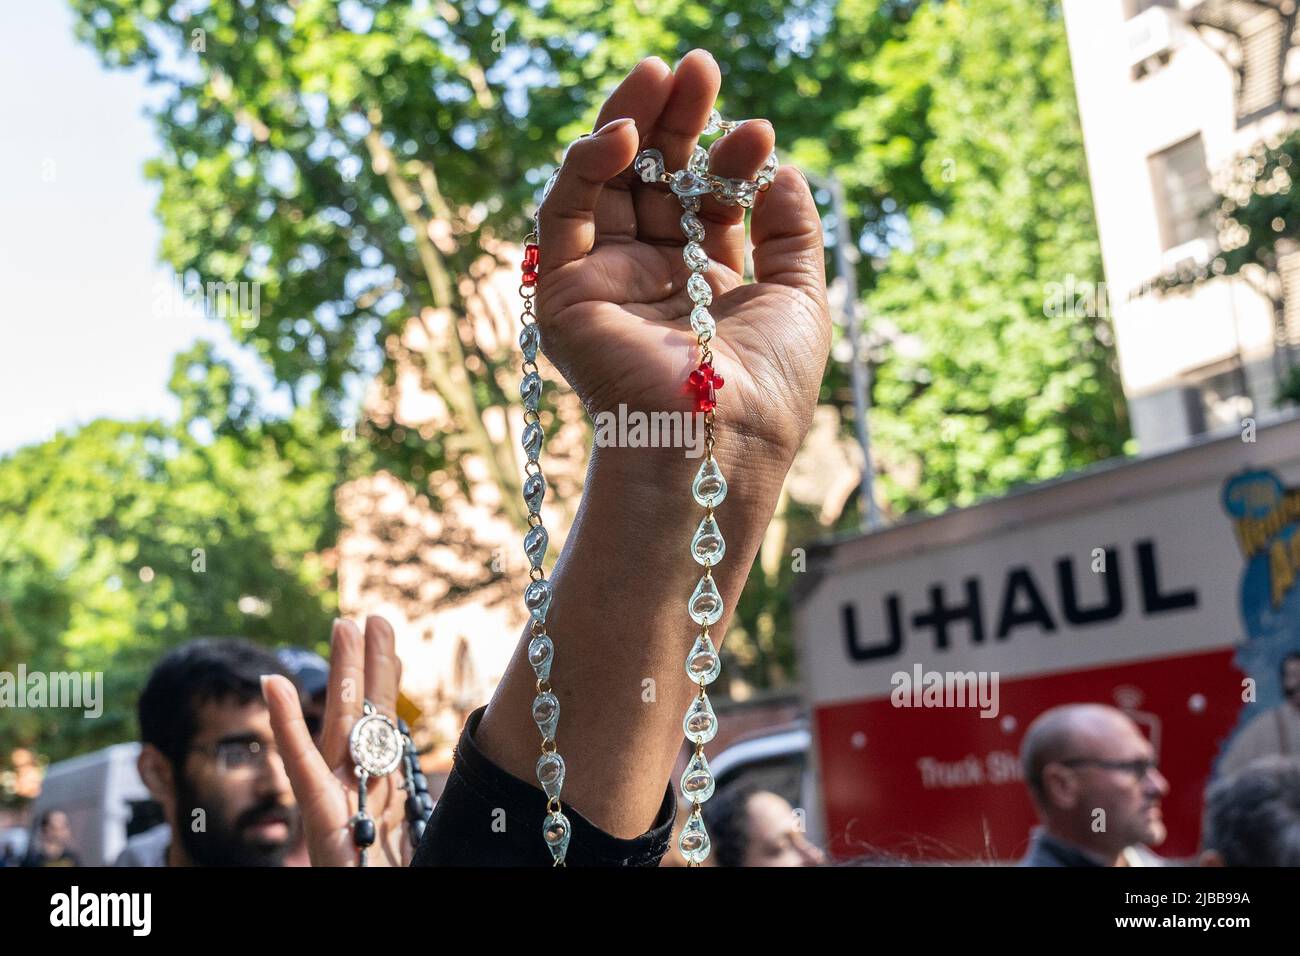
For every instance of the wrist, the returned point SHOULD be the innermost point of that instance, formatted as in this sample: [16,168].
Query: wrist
[754,469]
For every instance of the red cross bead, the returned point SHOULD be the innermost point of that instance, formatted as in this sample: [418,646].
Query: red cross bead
[705,382]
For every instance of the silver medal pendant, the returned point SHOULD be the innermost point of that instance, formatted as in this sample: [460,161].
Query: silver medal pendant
[375,743]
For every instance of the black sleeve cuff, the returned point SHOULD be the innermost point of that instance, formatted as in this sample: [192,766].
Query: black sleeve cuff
[488,817]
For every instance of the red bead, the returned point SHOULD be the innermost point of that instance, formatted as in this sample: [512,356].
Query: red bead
[530,278]
[532,256]
[705,383]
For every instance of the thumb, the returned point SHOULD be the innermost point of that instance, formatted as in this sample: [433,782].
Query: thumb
[787,234]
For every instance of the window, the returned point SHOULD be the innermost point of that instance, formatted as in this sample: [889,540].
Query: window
[1263,42]
[1184,198]
[1217,396]
[1287,333]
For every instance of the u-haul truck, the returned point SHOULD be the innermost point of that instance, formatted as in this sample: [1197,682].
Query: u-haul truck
[1166,586]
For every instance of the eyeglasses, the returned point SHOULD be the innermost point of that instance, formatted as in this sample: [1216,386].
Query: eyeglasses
[1138,768]
[238,756]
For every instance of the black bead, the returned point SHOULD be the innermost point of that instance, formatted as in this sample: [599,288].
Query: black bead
[420,781]
[414,808]
[427,802]
[417,832]
[363,832]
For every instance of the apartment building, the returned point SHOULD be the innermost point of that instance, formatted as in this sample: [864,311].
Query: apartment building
[1170,95]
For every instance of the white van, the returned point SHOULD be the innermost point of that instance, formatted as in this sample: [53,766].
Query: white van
[97,791]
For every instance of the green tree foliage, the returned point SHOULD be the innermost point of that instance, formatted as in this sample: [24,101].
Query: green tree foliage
[1001,384]
[118,541]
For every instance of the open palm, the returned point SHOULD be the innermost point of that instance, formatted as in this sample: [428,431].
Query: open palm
[612,300]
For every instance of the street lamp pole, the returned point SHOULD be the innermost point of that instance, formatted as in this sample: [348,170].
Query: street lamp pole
[860,373]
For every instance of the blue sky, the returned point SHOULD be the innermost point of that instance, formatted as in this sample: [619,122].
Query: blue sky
[82,334]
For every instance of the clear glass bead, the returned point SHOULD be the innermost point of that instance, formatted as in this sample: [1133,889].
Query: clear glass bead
[537,598]
[550,773]
[707,547]
[529,339]
[555,831]
[692,227]
[649,165]
[697,287]
[530,390]
[694,256]
[709,487]
[686,182]
[534,491]
[703,665]
[699,161]
[550,184]
[714,123]
[697,780]
[702,321]
[541,652]
[532,440]
[535,542]
[735,192]
[694,841]
[705,606]
[690,203]
[546,713]
[700,723]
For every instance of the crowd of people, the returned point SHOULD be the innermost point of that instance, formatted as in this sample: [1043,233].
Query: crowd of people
[209,758]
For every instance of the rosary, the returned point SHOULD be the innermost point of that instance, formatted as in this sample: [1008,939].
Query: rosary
[378,746]
[708,488]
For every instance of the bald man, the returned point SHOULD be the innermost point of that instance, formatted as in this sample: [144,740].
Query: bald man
[1094,782]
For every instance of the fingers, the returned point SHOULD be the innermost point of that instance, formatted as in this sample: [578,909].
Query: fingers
[343,697]
[641,97]
[308,773]
[567,224]
[696,82]
[738,155]
[569,216]
[787,234]
[383,670]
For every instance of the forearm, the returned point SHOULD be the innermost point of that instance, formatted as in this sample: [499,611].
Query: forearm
[620,626]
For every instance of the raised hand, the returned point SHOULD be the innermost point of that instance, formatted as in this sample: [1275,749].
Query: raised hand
[614,316]
[324,782]
[612,302]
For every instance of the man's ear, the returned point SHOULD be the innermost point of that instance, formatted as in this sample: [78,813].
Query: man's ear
[159,777]
[1211,858]
[1059,788]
